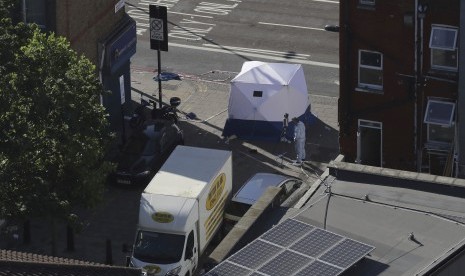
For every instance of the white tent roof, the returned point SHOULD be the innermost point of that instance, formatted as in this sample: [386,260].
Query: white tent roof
[282,86]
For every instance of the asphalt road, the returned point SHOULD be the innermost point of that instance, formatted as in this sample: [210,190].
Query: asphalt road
[219,35]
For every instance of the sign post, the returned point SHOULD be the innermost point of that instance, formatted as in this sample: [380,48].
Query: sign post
[158,38]
[123,100]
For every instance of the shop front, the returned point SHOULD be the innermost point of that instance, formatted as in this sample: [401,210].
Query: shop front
[114,70]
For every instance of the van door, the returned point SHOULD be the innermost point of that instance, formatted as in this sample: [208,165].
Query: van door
[191,255]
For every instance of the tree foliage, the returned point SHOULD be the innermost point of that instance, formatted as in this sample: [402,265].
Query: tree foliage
[54,132]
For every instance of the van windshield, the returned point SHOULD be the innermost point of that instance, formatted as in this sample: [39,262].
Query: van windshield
[158,248]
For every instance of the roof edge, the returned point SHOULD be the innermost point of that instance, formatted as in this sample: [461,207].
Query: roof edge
[398,178]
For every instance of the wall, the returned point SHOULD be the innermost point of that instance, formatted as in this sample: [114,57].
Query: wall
[391,32]
[389,27]
[86,29]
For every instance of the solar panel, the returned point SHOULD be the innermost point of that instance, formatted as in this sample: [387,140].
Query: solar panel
[285,263]
[316,242]
[318,268]
[287,232]
[228,269]
[346,253]
[294,248]
[255,254]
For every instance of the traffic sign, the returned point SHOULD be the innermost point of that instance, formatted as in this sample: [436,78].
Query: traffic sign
[158,28]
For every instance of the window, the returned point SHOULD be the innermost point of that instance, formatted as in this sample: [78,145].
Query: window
[439,113]
[441,134]
[367,2]
[36,12]
[439,116]
[258,93]
[370,70]
[443,38]
[190,246]
[443,44]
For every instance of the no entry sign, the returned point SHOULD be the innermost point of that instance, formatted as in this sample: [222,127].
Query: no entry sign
[158,28]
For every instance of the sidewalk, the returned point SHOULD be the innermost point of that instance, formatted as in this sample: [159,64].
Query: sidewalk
[113,223]
[208,100]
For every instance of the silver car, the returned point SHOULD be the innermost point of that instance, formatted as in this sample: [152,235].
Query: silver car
[251,191]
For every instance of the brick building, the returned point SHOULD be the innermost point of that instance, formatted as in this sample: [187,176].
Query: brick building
[399,103]
[99,29]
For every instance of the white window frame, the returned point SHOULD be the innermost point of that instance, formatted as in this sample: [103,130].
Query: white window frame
[435,29]
[367,2]
[428,120]
[447,48]
[360,65]
[439,127]
[30,15]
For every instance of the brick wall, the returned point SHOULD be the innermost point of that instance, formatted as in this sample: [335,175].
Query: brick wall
[87,22]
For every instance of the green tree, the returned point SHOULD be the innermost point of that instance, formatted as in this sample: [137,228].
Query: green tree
[54,132]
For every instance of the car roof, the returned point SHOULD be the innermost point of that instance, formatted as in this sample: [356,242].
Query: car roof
[255,186]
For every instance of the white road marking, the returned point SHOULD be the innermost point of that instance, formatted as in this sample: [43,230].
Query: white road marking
[326,1]
[291,26]
[190,14]
[258,51]
[255,55]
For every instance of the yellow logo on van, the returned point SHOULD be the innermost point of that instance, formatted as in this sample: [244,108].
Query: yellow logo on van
[152,269]
[215,191]
[162,217]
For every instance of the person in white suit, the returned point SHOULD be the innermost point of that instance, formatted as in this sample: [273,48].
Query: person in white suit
[299,140]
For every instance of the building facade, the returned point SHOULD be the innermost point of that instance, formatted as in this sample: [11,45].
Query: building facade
[98,29]
[399,102]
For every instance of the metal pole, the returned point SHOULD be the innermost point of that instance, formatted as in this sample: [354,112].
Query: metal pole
[123,134]
[327,206]
[159,79]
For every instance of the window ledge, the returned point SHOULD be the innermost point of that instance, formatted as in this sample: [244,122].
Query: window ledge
[369,90]
[436,72]
[369,7]
[438,146]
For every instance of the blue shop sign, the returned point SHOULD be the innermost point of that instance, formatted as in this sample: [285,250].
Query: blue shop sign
[122,48]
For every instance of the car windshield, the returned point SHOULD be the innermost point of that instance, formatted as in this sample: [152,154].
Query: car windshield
[158,248]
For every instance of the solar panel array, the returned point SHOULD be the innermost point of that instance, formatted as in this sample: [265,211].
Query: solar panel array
[294,248]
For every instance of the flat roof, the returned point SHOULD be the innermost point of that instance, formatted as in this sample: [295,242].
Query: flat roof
[414,221]
[413,224]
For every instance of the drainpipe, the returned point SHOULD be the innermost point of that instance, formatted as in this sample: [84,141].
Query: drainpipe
[359,148]
[421,11]
[460,100]
[24,11]
[415,109]
[345,115]
[100,69]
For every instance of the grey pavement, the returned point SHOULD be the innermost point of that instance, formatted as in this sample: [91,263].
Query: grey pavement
[205,99]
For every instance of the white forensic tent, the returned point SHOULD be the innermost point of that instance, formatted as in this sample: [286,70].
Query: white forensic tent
[259,97]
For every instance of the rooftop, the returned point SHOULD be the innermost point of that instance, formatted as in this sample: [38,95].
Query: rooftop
[14,263]
[415,222]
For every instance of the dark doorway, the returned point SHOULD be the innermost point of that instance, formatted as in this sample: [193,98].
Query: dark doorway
[369,152]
